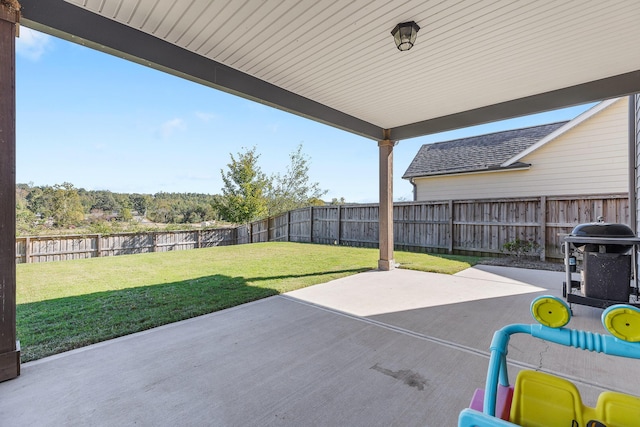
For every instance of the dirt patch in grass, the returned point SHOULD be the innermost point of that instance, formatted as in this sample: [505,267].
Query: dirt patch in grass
[523,262]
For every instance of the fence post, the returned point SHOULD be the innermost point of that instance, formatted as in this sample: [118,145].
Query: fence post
[250,232]
[154,239]
[288,226]
[198,239]
[339,224]
[450,226]
[543,228]
[27,250]
[310,224]
[99,244]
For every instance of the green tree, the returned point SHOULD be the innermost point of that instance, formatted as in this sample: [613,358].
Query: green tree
[66,208]
[293,190]
[243,198]
[140,202]
[40,201]
[25,219]
[86,198]
[161,209]
[125,215]
[105,201]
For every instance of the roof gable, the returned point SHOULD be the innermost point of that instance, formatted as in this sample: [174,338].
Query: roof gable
[477,153]
[566,127]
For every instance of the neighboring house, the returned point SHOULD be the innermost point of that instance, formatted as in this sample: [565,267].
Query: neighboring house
[584,156]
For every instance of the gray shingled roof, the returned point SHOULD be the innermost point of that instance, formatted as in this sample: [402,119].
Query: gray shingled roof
[476,153]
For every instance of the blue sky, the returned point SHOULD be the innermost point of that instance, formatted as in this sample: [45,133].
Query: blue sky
[103,123]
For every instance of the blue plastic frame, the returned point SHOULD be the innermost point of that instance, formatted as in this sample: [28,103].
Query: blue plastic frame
[497,370]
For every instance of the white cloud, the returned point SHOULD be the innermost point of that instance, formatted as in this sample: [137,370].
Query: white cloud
[193,176]
[170,126]
[32,44]
[206,117]
[274,127]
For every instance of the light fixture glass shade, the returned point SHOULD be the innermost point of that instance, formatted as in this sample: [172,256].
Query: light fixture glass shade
[405,35]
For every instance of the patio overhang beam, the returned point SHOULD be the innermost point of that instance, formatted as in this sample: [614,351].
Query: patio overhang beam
[72,23]
[598,90]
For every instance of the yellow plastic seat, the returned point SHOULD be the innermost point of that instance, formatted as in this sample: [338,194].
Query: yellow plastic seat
[618,409]
[543,400]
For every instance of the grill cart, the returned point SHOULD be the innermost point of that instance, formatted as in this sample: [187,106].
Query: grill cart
[538,399]
[609,264]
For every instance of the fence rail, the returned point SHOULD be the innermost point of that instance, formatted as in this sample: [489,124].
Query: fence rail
[479,227]
[60,248]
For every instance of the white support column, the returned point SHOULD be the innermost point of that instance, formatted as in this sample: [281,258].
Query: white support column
[385,218]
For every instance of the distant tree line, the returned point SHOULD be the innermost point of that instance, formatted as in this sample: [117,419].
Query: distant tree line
[64,206]
[248,194]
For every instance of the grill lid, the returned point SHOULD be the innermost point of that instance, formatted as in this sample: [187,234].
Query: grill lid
[602,229]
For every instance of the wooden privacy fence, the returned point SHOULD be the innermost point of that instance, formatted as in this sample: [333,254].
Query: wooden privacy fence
[59,248]
[478,227]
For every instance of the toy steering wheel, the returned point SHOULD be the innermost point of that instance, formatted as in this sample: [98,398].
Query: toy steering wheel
[623,322]
[551,311]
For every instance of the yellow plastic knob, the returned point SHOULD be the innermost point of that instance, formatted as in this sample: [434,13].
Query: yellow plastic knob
[550,311]
[623,322]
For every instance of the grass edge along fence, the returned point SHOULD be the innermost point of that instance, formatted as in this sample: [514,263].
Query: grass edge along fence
[35,249]
[464,227]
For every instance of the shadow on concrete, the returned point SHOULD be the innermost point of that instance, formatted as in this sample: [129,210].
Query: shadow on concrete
[56,325]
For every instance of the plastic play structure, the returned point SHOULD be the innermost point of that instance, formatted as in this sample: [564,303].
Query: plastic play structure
[538,399]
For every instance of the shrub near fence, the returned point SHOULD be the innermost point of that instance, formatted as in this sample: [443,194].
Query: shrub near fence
[478,227]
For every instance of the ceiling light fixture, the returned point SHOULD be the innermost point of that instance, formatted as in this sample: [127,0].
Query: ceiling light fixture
[405,35]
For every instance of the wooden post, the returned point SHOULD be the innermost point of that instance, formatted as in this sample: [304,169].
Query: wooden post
[633,171]
[27,250]
[385,215]
[339,224]
[451,226]
[99,245]
[543,228]
[310,224]
[198,239]
[9,347]
[288,226]
[154,239]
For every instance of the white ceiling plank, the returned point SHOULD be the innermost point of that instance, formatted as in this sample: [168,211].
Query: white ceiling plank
[469,53]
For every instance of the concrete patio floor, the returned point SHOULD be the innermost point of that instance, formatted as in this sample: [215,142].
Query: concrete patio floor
[398,348]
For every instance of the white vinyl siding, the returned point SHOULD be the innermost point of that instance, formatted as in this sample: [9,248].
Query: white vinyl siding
[591,158]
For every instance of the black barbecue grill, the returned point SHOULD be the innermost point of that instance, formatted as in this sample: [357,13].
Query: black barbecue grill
[608,253]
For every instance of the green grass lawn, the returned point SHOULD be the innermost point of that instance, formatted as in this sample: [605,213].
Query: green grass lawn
[70,304]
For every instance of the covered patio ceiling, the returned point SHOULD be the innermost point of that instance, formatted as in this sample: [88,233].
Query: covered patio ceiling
[334,61]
